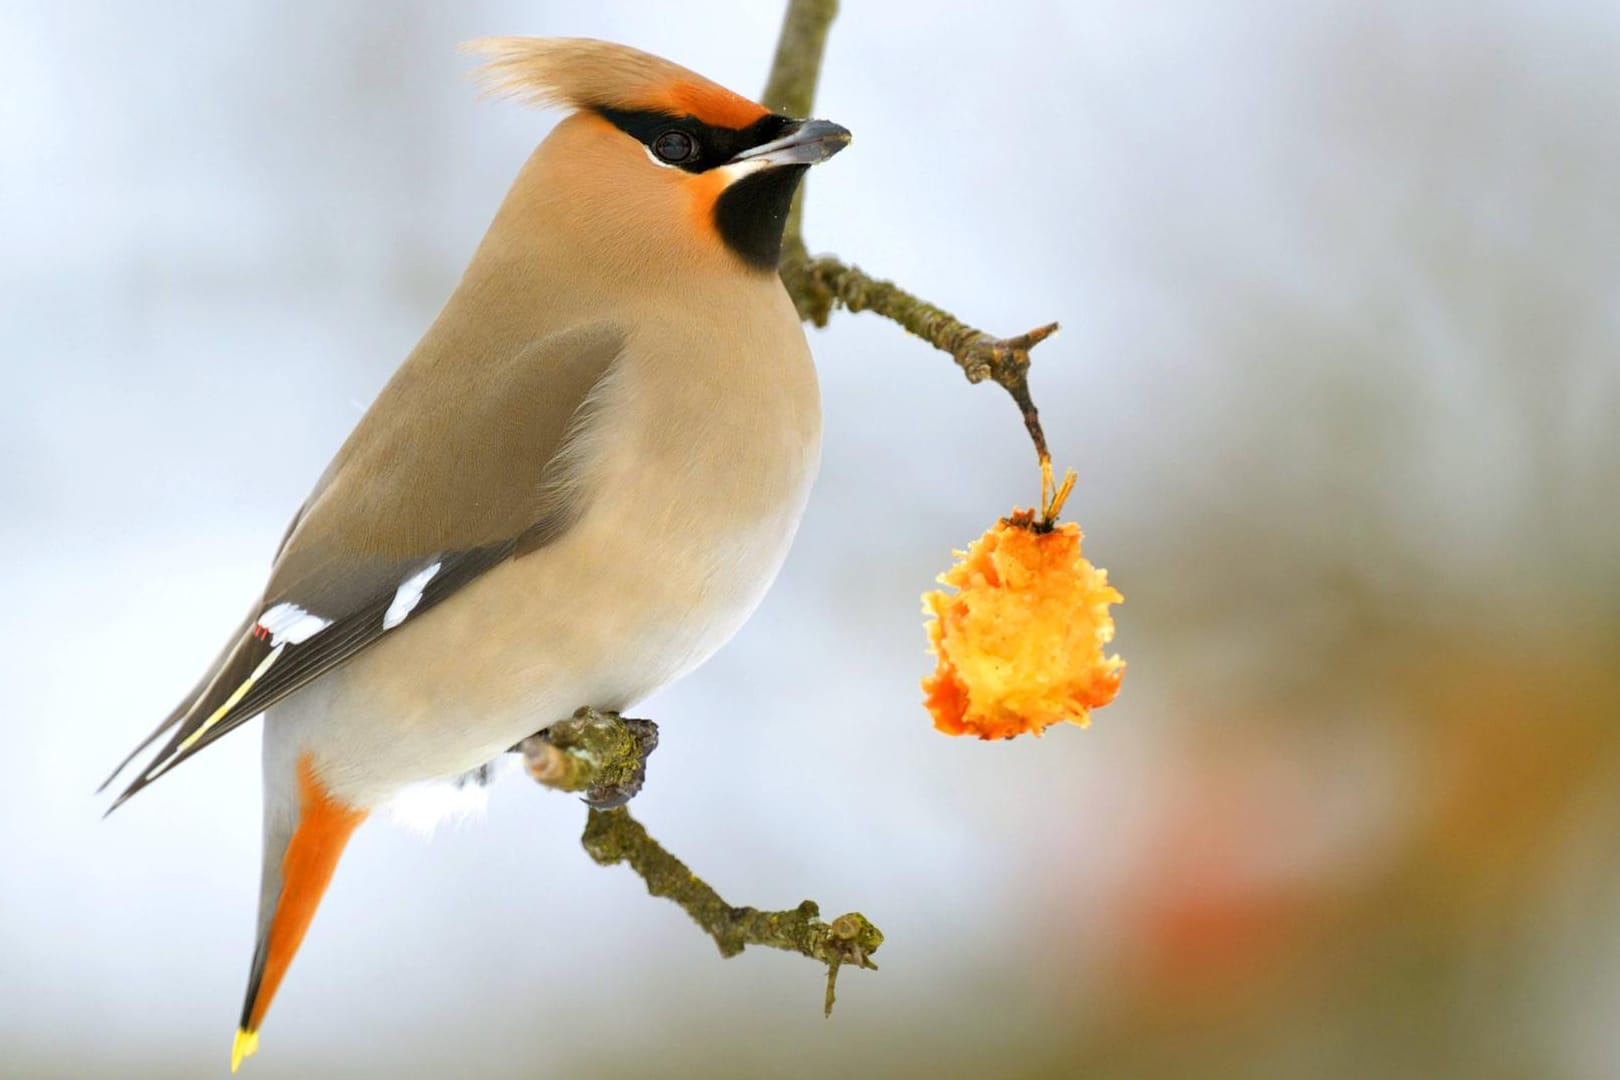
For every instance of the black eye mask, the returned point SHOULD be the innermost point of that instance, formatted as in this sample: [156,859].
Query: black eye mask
[711,145]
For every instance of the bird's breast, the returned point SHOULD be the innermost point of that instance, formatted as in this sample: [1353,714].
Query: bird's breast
[712,478]
[699,476]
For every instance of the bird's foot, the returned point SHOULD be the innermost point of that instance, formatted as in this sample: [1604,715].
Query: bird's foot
[601,754]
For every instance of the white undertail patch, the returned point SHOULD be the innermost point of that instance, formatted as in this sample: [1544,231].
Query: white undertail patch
[423,807]
[408,596]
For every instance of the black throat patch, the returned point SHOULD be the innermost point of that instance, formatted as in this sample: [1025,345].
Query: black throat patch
[751,213]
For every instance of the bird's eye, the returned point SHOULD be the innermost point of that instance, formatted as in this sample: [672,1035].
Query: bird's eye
[675,146]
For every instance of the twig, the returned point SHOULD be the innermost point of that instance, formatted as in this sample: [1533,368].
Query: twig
[820,284]
[791,91]
[602,754]
[824,283]
[790,88]
[613,836]
[605,756]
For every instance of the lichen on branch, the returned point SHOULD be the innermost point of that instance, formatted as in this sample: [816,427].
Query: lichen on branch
[601,754]
[604,756]
[613,836]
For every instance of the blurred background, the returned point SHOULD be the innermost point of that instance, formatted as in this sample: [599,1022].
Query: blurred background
[1338,283]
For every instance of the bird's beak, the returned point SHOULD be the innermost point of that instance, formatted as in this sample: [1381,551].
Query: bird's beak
[809,143]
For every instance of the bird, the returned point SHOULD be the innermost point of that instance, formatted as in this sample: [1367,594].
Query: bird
[574,490]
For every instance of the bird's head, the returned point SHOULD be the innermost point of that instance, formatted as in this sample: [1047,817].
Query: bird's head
[656,160]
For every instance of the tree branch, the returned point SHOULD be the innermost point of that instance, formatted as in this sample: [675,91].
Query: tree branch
[823,283]
[613,836]
[604,755]
[791,91]
[790,88]
[820,284]
[601,754]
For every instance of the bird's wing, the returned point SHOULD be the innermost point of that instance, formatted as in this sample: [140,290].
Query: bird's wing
[426,495]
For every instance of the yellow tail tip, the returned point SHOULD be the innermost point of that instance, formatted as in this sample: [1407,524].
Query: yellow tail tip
[245,1046]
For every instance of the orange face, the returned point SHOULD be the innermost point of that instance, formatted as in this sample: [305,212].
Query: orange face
[669,187]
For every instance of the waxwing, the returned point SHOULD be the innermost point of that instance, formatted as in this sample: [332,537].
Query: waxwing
[574,490]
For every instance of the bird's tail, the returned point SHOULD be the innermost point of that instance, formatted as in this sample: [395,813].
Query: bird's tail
[303,839]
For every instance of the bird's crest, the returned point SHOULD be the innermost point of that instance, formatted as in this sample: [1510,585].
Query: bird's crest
[582,73]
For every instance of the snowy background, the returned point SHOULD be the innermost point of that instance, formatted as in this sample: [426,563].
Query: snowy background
[1339,373]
